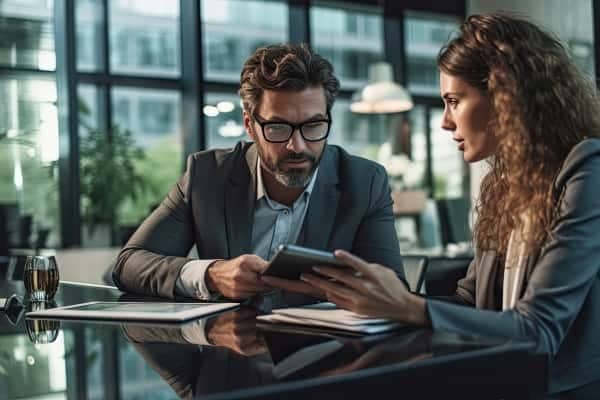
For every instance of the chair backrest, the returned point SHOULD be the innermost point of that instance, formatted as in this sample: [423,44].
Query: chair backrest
[443,273]
[415,268]
[9,227]
[454,220]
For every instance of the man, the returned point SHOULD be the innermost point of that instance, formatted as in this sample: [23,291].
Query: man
[288,186]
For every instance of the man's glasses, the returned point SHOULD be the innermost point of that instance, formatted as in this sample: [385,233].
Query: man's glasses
[281,132]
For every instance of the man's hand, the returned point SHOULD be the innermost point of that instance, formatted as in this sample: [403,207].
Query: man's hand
[238,278]
[237,331]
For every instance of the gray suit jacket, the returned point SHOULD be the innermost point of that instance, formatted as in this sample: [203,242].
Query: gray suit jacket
[559,307]
[212,207]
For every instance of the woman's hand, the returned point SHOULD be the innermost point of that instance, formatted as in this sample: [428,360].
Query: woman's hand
[369,289]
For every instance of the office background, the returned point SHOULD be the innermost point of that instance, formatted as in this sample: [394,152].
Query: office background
[100,99]
[76,75]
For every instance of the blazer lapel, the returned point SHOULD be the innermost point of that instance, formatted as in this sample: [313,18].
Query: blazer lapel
[323,204]
[240,194]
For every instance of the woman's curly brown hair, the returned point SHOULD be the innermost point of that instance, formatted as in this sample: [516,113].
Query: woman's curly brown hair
[542,107]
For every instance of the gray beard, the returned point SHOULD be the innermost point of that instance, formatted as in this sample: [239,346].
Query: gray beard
[293,180]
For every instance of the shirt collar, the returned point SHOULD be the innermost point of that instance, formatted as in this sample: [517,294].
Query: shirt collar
[260,188]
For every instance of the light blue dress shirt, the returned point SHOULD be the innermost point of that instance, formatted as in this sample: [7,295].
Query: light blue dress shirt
[274,224]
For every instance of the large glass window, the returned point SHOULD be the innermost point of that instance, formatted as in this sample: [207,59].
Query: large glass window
[358,134]
[144,37]
[29,122]
[572,22]
[26,34]
[90,40]
[224,124]
[449,169]
[233,29]
[424,36]
[153,118]
[351,40]
[28,158]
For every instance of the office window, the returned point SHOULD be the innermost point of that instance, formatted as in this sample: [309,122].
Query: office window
[153,118]
[89,104]
[144,37]
[358,134]
[223,116]
[89,114]
[449,168]
[350,39]
[424,35]
[233,29]
[412,141]
[571,22]
[89,15]
[29,156]
[27,34]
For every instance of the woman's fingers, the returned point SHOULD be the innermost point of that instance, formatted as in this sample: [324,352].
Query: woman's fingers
[349,279]
[326,285]
[293,286]
[354,262]
[340,301]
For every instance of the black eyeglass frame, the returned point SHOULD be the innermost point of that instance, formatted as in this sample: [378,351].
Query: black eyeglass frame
[294,127]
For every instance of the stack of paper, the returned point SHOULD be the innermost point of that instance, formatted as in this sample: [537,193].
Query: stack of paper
[327,315]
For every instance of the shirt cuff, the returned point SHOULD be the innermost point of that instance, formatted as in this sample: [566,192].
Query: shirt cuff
[191,281]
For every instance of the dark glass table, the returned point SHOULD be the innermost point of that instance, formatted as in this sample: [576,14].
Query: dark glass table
[91,360]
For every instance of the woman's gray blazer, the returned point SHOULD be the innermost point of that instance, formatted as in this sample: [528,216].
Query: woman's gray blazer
[559,307]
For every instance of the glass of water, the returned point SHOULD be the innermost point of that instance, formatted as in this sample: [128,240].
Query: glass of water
[41,277]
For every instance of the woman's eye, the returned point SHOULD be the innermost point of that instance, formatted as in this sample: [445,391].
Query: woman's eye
[452,103]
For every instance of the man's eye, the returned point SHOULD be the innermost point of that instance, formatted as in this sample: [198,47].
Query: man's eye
[313,125]
[277,127]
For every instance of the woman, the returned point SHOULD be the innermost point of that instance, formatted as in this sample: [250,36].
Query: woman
[513,96]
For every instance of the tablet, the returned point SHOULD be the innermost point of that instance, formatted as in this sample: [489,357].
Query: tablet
[290,261]
[133,311]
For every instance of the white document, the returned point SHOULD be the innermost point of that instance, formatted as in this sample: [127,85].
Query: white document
[328,316]
[133,311]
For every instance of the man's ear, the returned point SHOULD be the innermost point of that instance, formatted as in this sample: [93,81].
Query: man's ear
[249,126]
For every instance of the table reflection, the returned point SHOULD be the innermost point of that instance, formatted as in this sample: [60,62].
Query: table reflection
[231,355]
[252,354]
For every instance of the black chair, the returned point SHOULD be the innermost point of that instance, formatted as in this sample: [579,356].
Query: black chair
[443,273]
[3,234]
[9,227]
[454,220]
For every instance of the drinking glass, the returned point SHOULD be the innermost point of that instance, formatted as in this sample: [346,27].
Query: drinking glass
[41,331]
[41,277]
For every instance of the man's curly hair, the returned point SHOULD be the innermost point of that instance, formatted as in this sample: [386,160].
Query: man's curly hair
[285,67]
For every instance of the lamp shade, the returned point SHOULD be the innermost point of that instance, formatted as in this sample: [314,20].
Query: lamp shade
[381,95]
